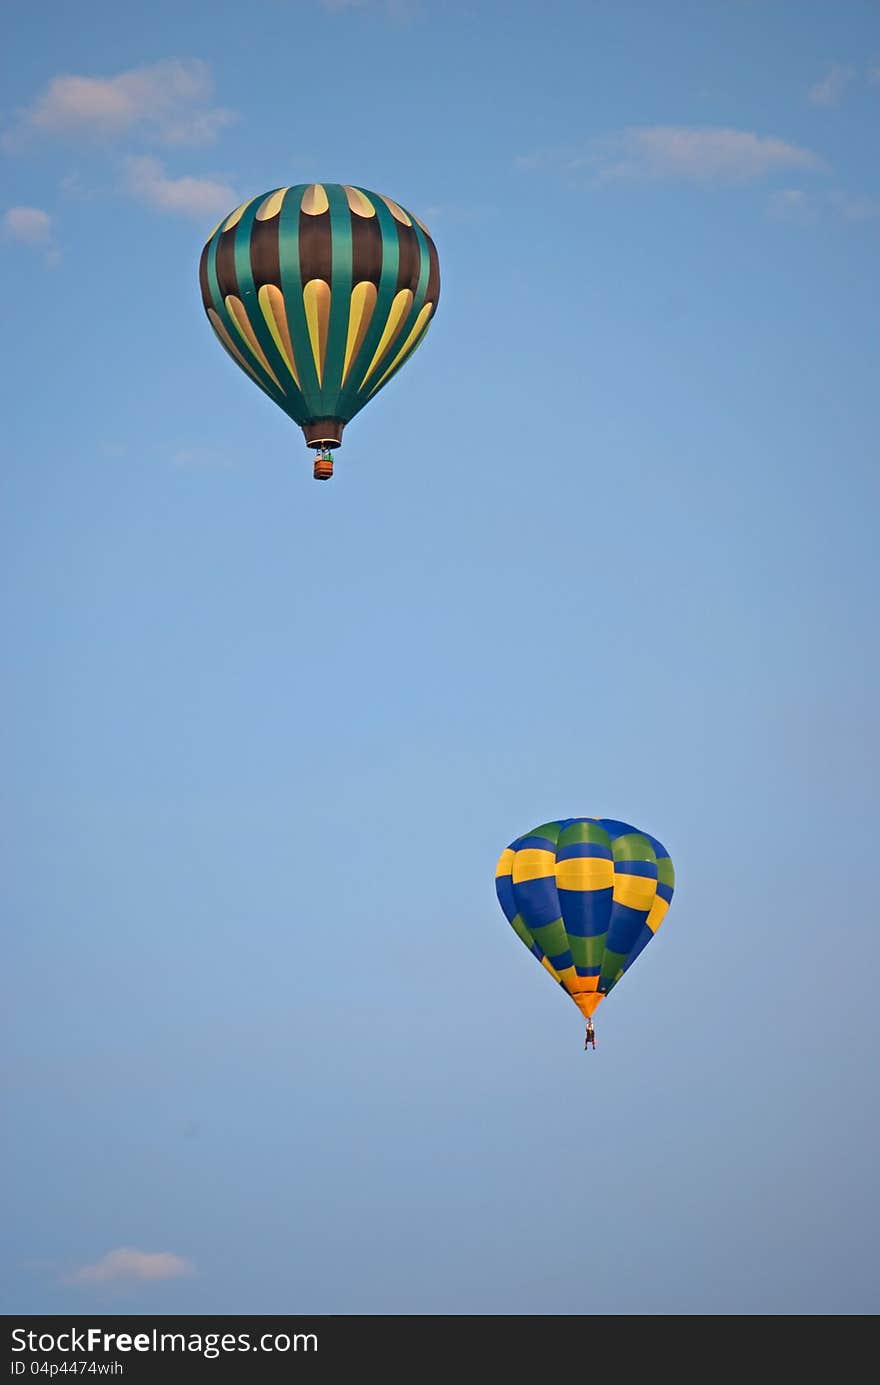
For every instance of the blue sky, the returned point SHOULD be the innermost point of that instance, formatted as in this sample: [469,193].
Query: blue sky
[606,546]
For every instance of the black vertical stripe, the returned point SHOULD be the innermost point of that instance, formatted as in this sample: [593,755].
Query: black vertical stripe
[366,249]
[315,247]
[264,252]
[226,263]
[203,279]
[432,293]
[410,261]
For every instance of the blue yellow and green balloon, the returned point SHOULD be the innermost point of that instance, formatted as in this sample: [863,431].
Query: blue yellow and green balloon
[586,896]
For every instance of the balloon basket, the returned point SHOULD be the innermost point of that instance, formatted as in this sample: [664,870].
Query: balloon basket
[323,466]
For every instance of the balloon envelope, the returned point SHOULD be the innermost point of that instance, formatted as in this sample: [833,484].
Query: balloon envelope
[320,293]
[586,896]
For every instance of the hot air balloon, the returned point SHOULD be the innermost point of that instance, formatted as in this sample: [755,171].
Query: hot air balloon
[586,895]
[320,292]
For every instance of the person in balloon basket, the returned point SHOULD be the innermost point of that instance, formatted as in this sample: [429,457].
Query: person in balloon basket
[590,1039]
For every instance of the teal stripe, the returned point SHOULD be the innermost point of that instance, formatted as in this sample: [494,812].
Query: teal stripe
[424,268]
[225,316]
[292,291]
[418,303]
[290,400]
[403,360]
[351,401]
[340,298]
[211,270]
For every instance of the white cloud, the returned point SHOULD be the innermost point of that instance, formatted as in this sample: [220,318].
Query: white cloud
[72,185]
[197,127]
[201,458]
[404,11]
[697,154]
[397,11]
[789,204]
[830,89]
[537,159]
[147,181]
[28,224]
[856,208]
[32,226]
[794,204]
[167,101]
[127,1266]
[680,153]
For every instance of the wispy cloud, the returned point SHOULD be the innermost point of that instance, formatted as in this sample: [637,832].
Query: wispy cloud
[202,458]
[145,179]
[32,226]
[701,155]
[126,1266]
[167,101]
[29,224]
[790,204]
[398,11]
[72,185]
[829,91]
[682,153]
[113,450]
[855,208]
[795,204]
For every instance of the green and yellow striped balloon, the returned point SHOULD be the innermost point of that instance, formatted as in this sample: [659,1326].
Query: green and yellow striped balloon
[586,896]
[320,292]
